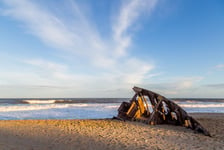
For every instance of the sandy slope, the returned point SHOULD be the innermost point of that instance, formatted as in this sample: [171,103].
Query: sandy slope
[108,134]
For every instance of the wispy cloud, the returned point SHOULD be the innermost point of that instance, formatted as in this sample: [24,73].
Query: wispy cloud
[129,14]
[219,66]
[46,64]
[79,38]
[176,86]
[48,27]
[51,70]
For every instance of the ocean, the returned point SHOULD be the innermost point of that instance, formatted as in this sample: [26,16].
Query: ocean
[88,108]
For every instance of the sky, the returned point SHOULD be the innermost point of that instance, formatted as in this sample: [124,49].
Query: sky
[102,48]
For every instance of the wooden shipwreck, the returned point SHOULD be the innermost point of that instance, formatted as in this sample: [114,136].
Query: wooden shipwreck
[151,108]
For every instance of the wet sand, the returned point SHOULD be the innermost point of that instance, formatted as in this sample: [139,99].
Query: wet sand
[109,134]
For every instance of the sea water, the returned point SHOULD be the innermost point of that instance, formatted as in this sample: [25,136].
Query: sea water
[91,108]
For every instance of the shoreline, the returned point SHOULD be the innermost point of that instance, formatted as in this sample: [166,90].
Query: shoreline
[109,134]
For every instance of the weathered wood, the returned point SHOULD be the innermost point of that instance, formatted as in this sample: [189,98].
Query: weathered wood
[164,111]
[152,116]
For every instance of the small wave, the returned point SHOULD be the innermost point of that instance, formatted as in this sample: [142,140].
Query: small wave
[39,101]
[202,105]
[112,107]
[64,101]
[30,108]
[24,107]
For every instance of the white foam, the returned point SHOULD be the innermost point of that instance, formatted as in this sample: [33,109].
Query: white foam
[39,101]
[26,107]
[202,105]
[82,110]
[112,106]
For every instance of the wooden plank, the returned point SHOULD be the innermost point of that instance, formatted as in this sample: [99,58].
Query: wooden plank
[154,111]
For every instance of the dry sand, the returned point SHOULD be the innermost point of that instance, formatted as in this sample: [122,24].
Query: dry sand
[108,134]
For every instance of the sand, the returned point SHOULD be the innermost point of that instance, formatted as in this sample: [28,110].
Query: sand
[109,134]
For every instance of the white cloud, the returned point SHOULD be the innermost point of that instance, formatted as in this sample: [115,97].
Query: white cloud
[82,40]
[177,86]
[220,66]
[40,23]
[134,71]
[46,64]
[128,16]
[186,83]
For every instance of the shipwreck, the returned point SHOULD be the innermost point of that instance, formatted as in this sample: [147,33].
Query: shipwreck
[152,108]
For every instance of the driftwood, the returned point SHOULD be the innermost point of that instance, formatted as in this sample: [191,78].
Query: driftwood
[161,111]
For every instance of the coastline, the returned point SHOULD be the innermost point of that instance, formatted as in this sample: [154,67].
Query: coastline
[109,134]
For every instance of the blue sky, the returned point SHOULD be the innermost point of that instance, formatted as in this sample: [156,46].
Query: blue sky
[86,48]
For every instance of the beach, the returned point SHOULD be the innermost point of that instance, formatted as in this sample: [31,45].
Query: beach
[108,134]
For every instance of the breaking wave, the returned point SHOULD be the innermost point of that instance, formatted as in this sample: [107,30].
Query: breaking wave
[62,101]
[32,107]
[28,108]
[82,108]
[39,101]
[202,105]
